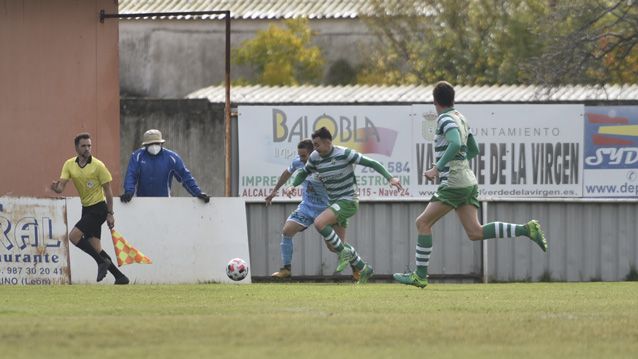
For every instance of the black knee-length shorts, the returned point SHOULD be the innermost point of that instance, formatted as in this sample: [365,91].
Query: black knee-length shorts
[92,219]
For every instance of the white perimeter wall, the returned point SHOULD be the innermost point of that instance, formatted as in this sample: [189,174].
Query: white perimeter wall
[188,241]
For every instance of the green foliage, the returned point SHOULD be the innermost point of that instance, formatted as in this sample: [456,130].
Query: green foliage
[597,43]
[282,56]
[487,42]
[341,73]
[474,42]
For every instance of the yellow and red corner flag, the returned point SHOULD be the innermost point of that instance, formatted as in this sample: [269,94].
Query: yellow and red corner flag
[125,252]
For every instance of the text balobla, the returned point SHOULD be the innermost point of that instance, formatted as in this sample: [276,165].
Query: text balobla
[343,130]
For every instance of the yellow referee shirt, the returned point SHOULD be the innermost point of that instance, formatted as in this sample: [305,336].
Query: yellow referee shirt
[88,180]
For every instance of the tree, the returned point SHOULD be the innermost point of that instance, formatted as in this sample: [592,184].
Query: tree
[341,73]
[282,56]
[597,44]
[488,42]
[469,42]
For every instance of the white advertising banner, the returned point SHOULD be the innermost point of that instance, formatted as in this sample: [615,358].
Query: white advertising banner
[533,151]
[268,138]
[33,241]
[611,151]
[525,150]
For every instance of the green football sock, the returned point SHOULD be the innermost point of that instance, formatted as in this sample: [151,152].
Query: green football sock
[423,251]
[331,237]
[504,230]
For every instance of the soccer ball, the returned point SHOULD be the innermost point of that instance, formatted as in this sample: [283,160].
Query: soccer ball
[237,269]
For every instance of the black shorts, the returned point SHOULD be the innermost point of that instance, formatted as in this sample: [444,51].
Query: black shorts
[92,219]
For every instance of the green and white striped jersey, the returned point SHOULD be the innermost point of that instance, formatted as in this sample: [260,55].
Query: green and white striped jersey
[457,172]
[336,171]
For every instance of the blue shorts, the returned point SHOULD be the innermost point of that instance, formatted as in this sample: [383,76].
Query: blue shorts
[304,215]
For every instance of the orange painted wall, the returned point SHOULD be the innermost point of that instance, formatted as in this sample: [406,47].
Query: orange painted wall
[58,77]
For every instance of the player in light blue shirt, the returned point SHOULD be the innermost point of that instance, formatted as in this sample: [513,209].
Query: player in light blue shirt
[314,201]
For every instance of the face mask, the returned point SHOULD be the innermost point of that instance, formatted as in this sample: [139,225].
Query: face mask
[154,149]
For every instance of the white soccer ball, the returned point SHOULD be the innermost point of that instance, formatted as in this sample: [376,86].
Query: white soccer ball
[237,269]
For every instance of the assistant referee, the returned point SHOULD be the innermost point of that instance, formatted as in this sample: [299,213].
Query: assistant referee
[93,182]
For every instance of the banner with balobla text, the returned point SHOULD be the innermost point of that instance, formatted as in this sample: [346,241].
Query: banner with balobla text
[526,151]
[268,138]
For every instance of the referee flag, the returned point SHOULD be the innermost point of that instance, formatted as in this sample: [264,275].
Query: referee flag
[125,252]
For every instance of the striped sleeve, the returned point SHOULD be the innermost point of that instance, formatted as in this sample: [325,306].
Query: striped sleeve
[310,167]
[352,156]
[445,124]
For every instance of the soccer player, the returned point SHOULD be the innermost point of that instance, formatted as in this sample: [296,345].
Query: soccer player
[334,166]
[457,190]
[93,181]
[314,201]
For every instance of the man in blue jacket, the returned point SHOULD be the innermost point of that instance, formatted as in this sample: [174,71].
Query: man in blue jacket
[151,170]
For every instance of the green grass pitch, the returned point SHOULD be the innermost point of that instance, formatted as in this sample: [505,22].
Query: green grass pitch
[294,320]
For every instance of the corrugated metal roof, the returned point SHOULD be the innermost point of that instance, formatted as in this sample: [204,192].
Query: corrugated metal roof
[416,94]
[253,9]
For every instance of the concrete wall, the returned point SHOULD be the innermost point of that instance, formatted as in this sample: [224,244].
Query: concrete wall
[187,240]
[58,77]
[171,58]
[192,128]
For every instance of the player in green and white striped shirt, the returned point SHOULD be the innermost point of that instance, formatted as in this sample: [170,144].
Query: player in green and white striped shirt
[458,189]
[334,166]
